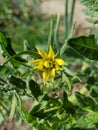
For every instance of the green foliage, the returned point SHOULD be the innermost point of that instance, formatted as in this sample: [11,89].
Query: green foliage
[91,10]
[68,103]
[86,103]
[94,91]
[22,21]
[88,121]
[91,80]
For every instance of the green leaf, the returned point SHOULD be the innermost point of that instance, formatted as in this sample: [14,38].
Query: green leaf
[73,74]
[48,112]
[68,106]
[84,102]
[7,48]
[26,46]
[94,91]
[85,45]
[18,82]
[91,80]
[35,89]
[88,121]
[38,112]
[13,107]
[65,79]
[47,107]
[28,116]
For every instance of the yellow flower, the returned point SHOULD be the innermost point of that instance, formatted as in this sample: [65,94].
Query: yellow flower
[48,64]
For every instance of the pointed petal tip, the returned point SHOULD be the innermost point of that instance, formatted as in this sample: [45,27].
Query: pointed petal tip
[51,53]
[42,53]
[60,61]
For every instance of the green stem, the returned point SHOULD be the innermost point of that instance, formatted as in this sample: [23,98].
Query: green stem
[2,80]
[64,47]
[69,26]
[66,18]
[52,109]
[71,14]
[56,32]
[51,31]
[30,52]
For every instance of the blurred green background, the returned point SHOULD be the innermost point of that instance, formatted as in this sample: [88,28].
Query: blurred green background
[22,21]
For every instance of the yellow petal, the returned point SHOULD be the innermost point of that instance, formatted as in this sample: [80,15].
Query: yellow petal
[36,61]
[60,61]
[57,67]
[39,64]
[45,75]
[52,74]
[42,53]
[51,53]
[39,67]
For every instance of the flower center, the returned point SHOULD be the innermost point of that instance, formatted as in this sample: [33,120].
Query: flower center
[49,64]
